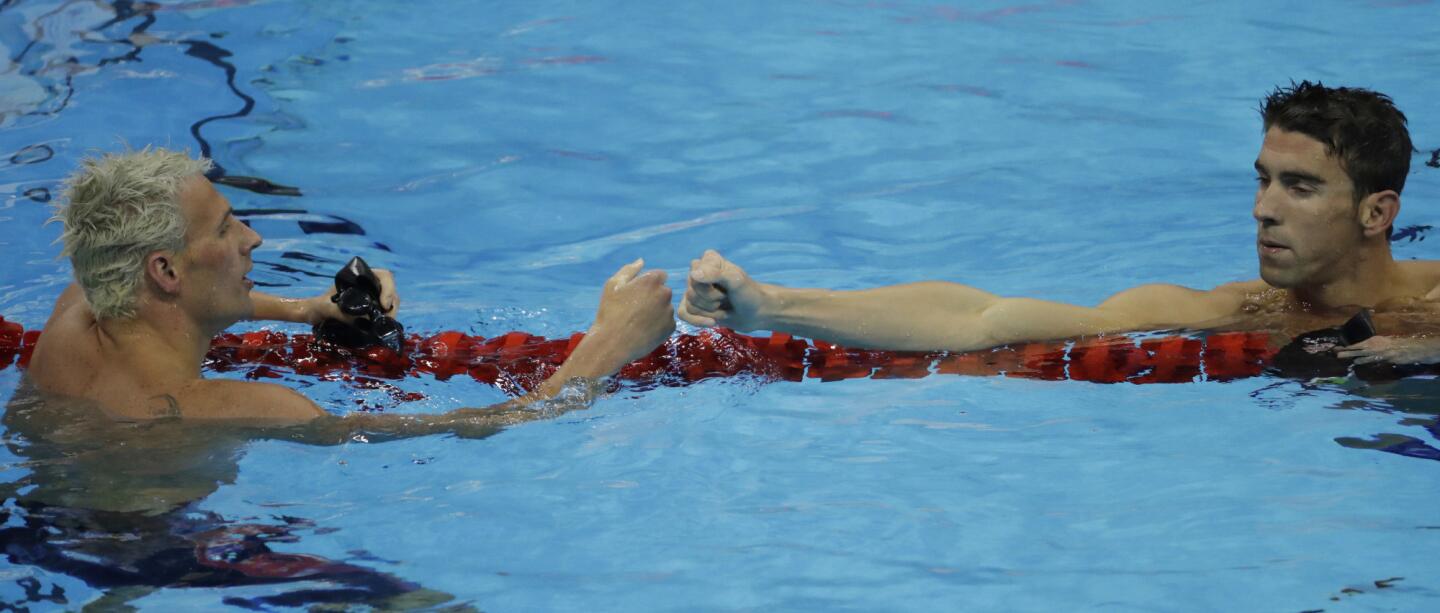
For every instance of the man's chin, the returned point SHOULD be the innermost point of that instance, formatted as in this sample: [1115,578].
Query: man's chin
[243,310]
[1277,278]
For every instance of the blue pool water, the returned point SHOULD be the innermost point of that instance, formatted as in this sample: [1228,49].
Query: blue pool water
[504,159]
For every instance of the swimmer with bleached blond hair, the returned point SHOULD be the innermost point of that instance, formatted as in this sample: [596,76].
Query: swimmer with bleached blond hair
[160,268]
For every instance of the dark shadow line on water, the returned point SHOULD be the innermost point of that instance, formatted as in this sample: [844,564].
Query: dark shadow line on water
[215,56]
[124,10]
[208,52]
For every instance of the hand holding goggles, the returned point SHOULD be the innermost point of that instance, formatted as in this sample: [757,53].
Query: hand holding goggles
[357,292]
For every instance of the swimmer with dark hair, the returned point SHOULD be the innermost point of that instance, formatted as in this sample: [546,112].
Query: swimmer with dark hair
[1328,181]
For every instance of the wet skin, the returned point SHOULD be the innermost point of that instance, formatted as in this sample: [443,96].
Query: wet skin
[114,416]
[1322,256]
[149,366]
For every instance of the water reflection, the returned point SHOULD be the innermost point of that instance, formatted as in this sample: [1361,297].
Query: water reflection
[1416,400]
[114,504]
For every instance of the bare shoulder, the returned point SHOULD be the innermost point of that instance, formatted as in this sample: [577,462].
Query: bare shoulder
[1165,304]
[1244,289]
[70,303]
[67,358]
[238,400]
[1430,267]
[1425,275]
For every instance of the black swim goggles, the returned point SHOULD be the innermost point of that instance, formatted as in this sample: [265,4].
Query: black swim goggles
[357,293]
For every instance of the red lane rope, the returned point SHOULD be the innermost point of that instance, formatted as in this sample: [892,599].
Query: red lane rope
[516,361]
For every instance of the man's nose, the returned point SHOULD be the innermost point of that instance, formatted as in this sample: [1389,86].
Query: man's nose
[1265,210]
[254,240]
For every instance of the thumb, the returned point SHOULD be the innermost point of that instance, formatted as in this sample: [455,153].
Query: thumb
[1374,342]
[707,268]
[718,271]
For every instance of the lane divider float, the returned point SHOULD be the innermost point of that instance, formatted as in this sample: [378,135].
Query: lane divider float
[516,362]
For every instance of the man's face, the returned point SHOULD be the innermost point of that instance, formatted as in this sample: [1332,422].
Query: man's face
[216,257]
[1308,230]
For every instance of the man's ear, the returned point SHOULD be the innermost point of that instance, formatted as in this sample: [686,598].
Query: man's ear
[1377,212]
[160,268]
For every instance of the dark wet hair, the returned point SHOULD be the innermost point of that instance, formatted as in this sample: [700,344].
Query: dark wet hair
[1360,127]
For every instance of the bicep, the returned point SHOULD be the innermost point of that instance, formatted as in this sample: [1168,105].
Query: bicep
[1162,305]
[241,400]
[1148,307]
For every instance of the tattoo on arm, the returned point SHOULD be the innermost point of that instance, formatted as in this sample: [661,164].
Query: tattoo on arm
[171,408]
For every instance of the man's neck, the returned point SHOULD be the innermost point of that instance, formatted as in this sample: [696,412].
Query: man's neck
[162,336]
[1372,278]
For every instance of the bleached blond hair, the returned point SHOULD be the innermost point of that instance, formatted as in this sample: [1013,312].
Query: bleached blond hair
[117,209]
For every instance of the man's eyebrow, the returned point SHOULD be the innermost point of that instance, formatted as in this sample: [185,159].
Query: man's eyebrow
[226,217]
[1292,176]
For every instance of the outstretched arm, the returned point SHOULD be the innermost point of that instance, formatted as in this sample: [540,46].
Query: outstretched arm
[466,423]
[934,315]
[634,317]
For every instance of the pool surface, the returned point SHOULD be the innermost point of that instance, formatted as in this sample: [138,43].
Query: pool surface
[505,158]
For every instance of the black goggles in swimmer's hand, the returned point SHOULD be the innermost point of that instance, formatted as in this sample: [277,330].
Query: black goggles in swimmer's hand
[357,293]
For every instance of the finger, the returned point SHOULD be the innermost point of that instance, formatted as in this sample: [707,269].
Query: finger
[1347,353]
[654,277]
[1374,342]
[625,274]
[709,269]
[706,295]
[1368,344]
[707,298]
[715,315]
[389,300]
[699,320]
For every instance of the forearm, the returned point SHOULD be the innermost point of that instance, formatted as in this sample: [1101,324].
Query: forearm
[599,354]
[275,308]
[380,427]
[929,316]
[894,317]
[574,386]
